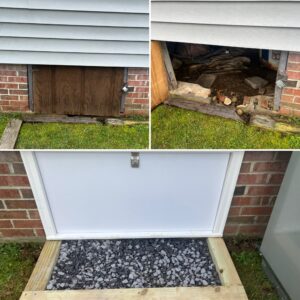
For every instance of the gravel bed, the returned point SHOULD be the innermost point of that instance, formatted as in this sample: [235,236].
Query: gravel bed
[133,263]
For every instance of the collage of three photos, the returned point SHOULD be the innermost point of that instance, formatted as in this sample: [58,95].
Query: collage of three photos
[149,149]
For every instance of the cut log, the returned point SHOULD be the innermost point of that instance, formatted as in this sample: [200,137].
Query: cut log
[209,109]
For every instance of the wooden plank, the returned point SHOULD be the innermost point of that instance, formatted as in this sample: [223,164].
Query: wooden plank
[78,90]
[159,76]
[182,293]
[44,266]
[10,134]
[209,109]
[281,75]
[168,65]
[223,262]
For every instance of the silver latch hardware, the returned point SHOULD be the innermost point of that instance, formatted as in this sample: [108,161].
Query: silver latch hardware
[135,160]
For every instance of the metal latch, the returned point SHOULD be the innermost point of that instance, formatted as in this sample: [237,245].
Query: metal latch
[125,88]
[135,160]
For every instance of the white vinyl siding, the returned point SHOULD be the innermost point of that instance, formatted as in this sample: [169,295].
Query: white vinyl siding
[253,24]
[110,33]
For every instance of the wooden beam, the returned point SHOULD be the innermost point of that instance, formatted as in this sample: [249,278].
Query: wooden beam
[209,109]
[169,66]
[281,75]
[44,266]
[159,76]
[10,134]
[182,293]
[223,262]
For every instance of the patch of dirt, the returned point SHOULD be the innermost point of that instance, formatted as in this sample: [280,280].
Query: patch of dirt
[236,244]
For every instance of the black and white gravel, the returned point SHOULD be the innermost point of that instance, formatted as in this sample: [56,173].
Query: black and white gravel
[134,263]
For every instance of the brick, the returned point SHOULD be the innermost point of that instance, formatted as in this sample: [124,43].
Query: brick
[287,99]
[20,79]
[293,66]
[9,97]
[279,166]
[18,92]
[8,86]
[245,168]
[14,181]
[4,91]
[17,233]
[241,219]
[241,201]
[234,211]
[252,229]
[17,214]
[283,156]
[27,193]
[4,168]
[19,168]
[1,205]
[262,219]
[27,224]
[16,204]
[10,156]
[34,214]
[276,178]
[5,224]
[285,111]
[256,211]
[239,190]
[290,91]
[263,190]
[40,232]
[258,156]
[293,75]
[7,73]
[252,179]
[294,57]
[9,194]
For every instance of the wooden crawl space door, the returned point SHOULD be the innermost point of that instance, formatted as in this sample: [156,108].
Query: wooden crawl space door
[90,91]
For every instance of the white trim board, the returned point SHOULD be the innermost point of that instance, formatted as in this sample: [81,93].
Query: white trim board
[40,195]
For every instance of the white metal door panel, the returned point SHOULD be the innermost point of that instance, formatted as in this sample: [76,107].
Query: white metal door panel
[170,194]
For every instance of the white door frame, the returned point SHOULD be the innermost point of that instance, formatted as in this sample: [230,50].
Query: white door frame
[37,186]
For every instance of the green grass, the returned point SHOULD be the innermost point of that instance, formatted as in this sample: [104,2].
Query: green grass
[5,118]
[16,264]
[82,136]
[175,128]
[247,261]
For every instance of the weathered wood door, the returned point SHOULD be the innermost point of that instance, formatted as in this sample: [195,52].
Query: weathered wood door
[77,90]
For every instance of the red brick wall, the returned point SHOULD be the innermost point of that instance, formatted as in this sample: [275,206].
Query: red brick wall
[256,191]
[258,184]
[18,214]
[290,99]
[137,101]
[13,88]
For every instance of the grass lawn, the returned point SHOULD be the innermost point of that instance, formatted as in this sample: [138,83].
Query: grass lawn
[247,261]
[82,136]
[5,118]
[16,264]
[176,128]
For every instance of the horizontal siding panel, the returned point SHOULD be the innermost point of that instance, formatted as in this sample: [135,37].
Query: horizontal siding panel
[265,14]
[73,18]
[131,6]
[287,39]
[74,59]
[71,32]
[77,46]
